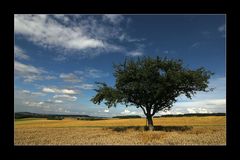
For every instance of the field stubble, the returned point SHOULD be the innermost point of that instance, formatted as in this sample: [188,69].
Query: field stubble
[173,131]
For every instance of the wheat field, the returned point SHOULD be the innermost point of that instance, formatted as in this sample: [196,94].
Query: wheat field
[210,130]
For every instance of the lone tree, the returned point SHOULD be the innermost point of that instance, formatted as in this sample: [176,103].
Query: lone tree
[152,84]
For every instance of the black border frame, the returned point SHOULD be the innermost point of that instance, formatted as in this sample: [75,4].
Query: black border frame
[133,7]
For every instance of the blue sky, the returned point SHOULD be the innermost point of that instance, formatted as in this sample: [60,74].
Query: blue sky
[59,57]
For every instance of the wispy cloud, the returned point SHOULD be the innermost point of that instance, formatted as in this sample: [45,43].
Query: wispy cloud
[95,73]
[28,72]
[61,91]
[65,97]
[201,106]
[60,58]
[27,92]
[214,101]
[70,77]
[135,53]
[25,100]
[222,28]
[44,30]
[113,18]
[20,53]
[125,37]
[92,73]
[85,35]
[85,86]
[195,45]
[35,104]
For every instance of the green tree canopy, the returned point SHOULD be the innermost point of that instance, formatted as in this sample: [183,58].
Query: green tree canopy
[152,84]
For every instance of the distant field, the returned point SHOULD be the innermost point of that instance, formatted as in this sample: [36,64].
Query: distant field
[210,130]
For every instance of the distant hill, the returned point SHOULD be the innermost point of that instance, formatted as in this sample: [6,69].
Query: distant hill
[192,114]
[19,115]
[128,116]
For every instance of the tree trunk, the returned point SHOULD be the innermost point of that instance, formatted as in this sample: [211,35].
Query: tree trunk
[150,123]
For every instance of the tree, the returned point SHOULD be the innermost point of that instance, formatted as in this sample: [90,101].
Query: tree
[152,85]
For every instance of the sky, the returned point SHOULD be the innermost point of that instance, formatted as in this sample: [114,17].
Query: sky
[58,58]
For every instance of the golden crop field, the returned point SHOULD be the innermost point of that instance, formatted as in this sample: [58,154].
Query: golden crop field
[210,130]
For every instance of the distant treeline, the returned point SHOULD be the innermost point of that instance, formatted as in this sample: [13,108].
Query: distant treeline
[20,115]
[128,116]
[192,114]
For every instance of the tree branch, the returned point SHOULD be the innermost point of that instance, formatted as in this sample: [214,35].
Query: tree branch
[155,108]
[143,109]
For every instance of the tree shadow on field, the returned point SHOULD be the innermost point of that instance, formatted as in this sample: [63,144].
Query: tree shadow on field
[156,128]
[172,128]
[125,128]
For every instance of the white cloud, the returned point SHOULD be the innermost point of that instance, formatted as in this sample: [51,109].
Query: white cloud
[88,35]
[222,28]
[135,53]
[95,73]
[34,104]
[28,72]
[85,35]
[85,86]
[216,102]
[49,90]
[125,37]
[113,18]
[191,110]
[20,53]
[198,110]
[203,110]
[127,112]
[61,91]
[65,97]
[62,17]
[26,69]
[106,110]
[38,93]
[92,73]
[68,91]
[29,102]
[27,92]
[62,110]
[70,77]
[201,106]
[169,112]
[205,102]
[58,101]
[44,30]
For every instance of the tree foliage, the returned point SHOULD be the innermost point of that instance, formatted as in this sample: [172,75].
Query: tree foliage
[152,84]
